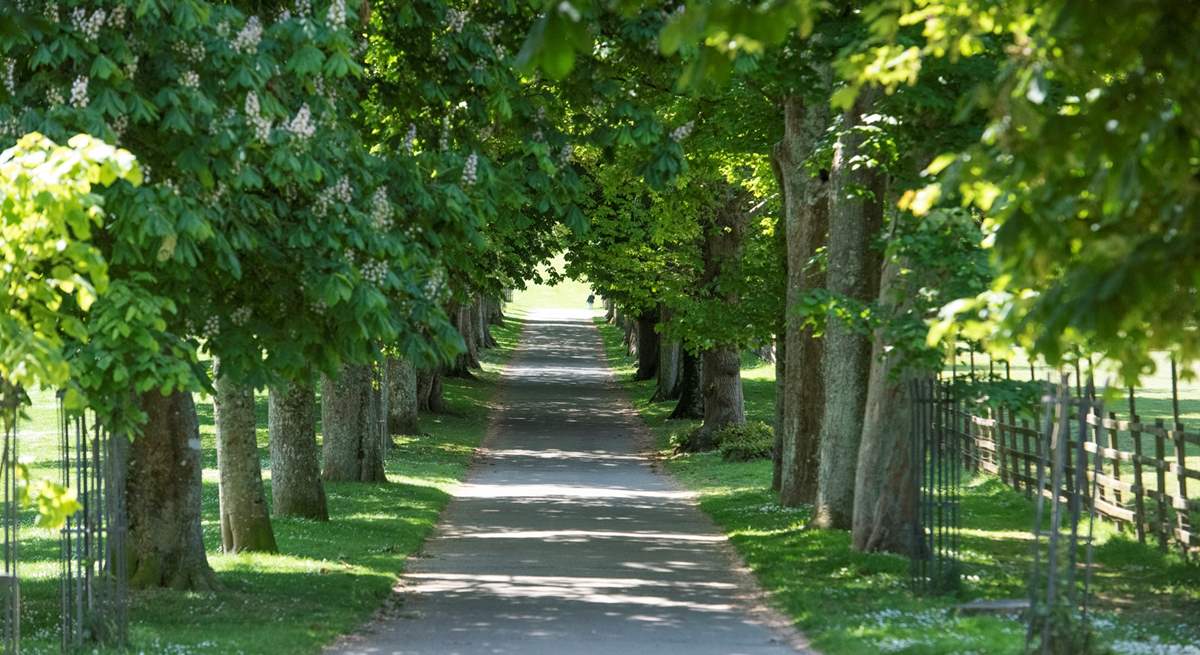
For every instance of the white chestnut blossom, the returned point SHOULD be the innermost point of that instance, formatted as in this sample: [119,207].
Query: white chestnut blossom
[566,155]
[212,327]
[410,138]
[340,192]
[79,92]
[10,77]
[248,38]
[89,26]
[240,316]
[190,79]
[337,14]
[116,18]
[132,68]
[470,171]
[680,133]
[456,19]
[381,210]
[375,271]
[119,125]
[260,123]
[302,126]
[303,7]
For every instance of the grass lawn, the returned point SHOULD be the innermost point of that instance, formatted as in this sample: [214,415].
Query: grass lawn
[328,577]
[853,603]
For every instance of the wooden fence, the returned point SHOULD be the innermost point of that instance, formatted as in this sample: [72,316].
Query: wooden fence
[1146,479]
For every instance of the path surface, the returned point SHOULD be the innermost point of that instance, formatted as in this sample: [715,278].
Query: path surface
[564,540]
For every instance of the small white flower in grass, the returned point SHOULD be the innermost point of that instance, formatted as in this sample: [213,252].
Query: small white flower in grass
[79,92]
[248,38]
[337,14]
[470,170]
[683,131]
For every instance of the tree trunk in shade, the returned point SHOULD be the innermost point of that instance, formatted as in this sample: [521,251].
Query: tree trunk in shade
[296,486]
[351,452]
[429,390]
[166,544]
[691,392]
[722,253]
[245,522]
[465,322]
[402,397]
[806,224]
[855,220]
[647,350]
[670,355]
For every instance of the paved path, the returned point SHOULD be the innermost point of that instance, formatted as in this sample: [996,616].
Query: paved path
[564,540]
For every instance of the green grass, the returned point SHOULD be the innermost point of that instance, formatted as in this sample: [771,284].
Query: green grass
[328,578]
[852,603]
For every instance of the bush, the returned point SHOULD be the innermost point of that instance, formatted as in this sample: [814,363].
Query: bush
[742,443]
[736,443]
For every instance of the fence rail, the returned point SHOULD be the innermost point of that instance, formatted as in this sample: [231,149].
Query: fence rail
[1144,485]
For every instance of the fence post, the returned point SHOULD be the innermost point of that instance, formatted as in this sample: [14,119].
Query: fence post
[1177,435]
[1160,463]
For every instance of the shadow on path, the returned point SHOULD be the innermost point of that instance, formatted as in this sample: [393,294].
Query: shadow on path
[563,539]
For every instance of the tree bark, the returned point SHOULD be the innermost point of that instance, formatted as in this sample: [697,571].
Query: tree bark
[352,451]
[610,312]
[722,252]
[723,401]
[806,224]
[495,312]
[296,487]
[631,341]
[402,397]
[885,498]
[245,523]
[647,350]
[669,354]
[465,323]
[429,390]
[691,392]
[166,544]
[856,216]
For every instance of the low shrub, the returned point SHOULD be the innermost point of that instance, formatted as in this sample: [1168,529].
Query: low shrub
[742,443]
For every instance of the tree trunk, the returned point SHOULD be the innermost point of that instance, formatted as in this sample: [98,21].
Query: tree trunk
[296,487]
[722,253]
[352,452]
[610,311]
[691,391]
[245,523]
[402,397]
[647,350]
[465,323]
[631,341]
[667,387]
[486,340]
[495,312]
[806,224]
[429,391]
[780,403]
[166,544]
[855,219]
[885,498]
[723,402]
